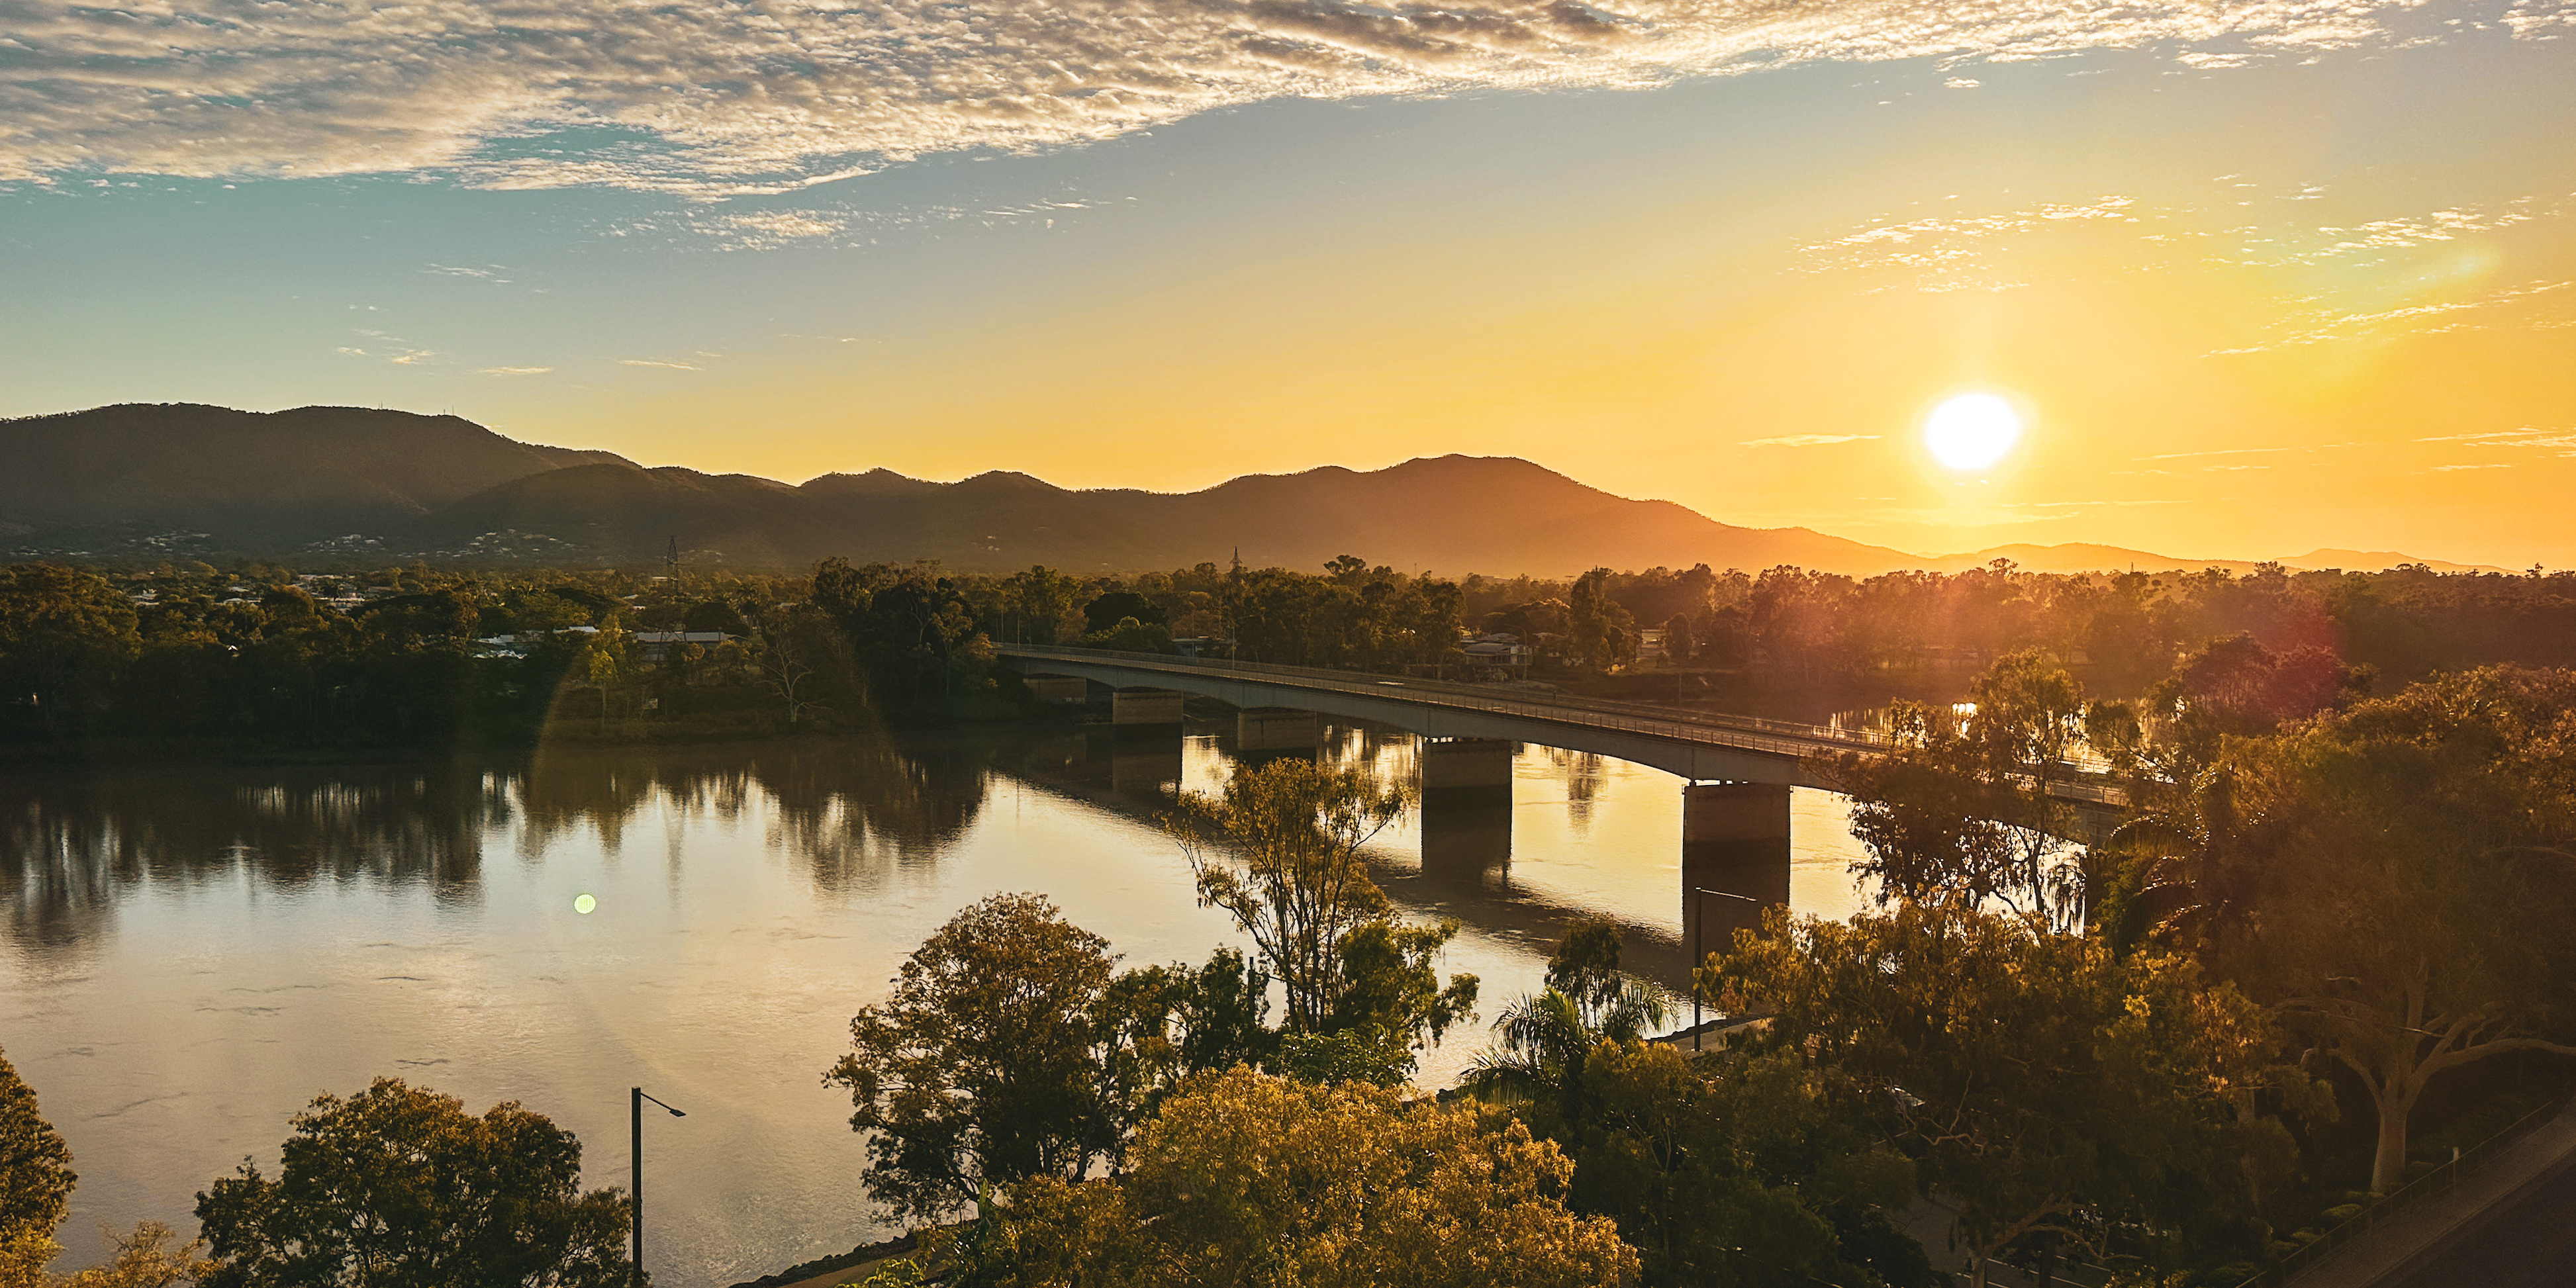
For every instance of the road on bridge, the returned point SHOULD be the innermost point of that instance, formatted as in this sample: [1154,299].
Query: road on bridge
[1693,744]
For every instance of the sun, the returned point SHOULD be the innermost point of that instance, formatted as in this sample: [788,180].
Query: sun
[1972,431]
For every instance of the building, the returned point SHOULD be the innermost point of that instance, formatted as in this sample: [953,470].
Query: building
[654,646]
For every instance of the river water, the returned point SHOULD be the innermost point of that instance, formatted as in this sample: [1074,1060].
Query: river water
[188,956]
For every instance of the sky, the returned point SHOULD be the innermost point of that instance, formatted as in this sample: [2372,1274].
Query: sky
[2253,276]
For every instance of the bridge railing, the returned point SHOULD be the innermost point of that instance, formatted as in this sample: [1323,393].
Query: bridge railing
[1749,733]
[1800,740]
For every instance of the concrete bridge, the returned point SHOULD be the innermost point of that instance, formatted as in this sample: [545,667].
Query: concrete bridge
[1738,771]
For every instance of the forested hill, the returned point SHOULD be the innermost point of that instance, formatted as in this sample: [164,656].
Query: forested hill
[188,481]
[185,480]
[255,481]
[1454,514]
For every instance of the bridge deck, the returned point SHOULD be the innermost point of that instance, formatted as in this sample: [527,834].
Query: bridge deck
[1697,745]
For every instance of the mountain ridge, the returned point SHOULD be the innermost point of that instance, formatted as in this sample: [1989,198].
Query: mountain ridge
[138,479]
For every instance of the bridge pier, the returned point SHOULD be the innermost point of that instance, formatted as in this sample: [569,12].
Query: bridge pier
[1276,729]
[1467,834]
[1735,860]
[1466,807]
[1146,763]
[1467,764]
[1145,708]
[1060,690]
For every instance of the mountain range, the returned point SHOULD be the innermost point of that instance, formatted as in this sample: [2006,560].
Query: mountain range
[183,480]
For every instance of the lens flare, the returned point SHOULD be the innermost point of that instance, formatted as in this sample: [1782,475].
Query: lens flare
[1971,431]
[583,903]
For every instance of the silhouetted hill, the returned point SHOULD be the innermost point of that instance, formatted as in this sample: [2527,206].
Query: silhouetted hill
[260,479]
[1455,514]
[2085,557]
[182,479]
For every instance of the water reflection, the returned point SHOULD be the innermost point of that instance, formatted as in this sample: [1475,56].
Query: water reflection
[846,808]
[192,953]
[71,841]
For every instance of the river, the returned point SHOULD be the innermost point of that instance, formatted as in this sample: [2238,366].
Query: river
[188,956]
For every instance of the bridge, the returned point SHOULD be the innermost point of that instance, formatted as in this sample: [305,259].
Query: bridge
[1737,770]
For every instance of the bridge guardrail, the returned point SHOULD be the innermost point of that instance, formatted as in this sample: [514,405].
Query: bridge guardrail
[1748,733]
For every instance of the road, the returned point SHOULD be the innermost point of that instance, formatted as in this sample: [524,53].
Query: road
[2526,1241]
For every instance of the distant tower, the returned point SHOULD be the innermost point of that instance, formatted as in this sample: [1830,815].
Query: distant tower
[671,559]
[1238,558]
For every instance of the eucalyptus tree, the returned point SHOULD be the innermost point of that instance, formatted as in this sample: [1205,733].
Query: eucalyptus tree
[1279,850]
[2402,882]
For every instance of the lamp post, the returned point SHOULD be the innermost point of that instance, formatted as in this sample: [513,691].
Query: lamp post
[635,1099]
[1698,955]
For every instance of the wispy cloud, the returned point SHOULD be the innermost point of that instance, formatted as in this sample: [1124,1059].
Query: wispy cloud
[2509,306]
[2223,451]
[649,362]
[2561,439]
[714,100]
[2366,242]
[1808,440]
[516,371]
[1953,252]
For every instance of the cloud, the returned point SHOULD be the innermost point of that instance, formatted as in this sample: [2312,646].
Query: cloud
[516,371]
[2224,451]
[719,99]
[648,362]
[1952,251]
[1807,440]
[2541,438]
[2445,469]
[2334,242]
[2509,306]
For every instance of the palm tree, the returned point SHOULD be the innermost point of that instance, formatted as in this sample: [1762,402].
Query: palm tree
[1542,1040]
[1544,1037]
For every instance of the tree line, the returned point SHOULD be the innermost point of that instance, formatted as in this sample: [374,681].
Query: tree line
[411,657]
[266,655]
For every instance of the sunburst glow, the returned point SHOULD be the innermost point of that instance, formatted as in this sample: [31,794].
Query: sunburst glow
[1972,431]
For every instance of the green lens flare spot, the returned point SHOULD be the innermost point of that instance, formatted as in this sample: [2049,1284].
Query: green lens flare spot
[583,903]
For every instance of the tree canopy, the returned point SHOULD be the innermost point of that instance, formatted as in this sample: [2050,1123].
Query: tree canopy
[399,1187]
[1251,1179]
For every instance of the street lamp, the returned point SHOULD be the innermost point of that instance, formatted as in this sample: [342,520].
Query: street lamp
[1698,954]
[635,1099]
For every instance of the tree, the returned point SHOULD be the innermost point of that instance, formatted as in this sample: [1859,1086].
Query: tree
[36,1179]
[1729,1169]
[36,1176]
[2056,1093]
[149,1257]
[1106,612]
[1361,989]
[1681,643]
[1128,635]
[994,1059]
[1966,809]
[1391,998]
[1600,634]
[913,634]
[796,651]
[2404,874]
[64,633]
[399,1187]
[1296,884]
[1255,1180]
[1041,602]
[1544,1038]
